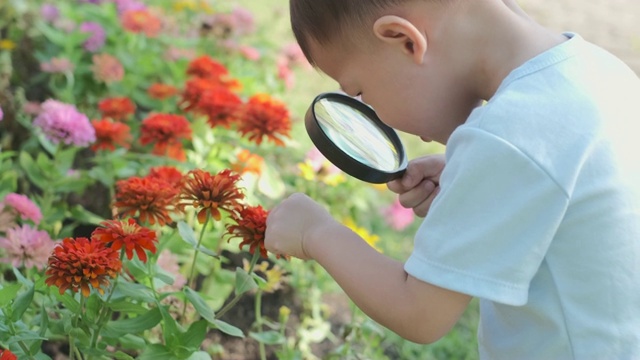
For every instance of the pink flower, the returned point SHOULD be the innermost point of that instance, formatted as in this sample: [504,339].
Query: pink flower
[98,36]
[294,56]
[126,5]
[107,68]
[243,18]
[397,216]
[1,114]
[168,262]
[49,12]
[25,246]
[57,65]
[249,52]
[62,122]
[26,208]
[7,218]
[318,162]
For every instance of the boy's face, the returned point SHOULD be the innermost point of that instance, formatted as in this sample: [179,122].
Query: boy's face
[421,99]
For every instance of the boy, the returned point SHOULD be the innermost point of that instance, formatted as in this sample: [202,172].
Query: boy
[533,209]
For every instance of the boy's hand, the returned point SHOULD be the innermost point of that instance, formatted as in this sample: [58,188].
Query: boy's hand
[420,183]
[291,226]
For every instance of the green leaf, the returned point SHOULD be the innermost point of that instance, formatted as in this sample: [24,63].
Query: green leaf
[68,301]
[206,251]
[244,282]
[33,172]
[128,307]
[199,355]
[268,337]
[187,234]
[92,308]
[228,328]
[132,325]
[200,305]
[21,304]
[119,355]
[8,293]
[156,352]
[195,335]
[135,291]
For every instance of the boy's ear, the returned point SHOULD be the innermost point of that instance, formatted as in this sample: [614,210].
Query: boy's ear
[399,31]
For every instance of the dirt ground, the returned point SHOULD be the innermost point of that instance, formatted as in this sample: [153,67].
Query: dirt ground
[612,24]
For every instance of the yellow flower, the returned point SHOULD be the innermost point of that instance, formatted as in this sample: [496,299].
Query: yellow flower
[6,44]
[363,233]
[330,178]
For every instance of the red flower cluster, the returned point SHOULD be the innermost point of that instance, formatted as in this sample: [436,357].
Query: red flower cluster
[79,263]
[151,198]
[127,234]
[263,116]
[168,174]
[211,193]
[251,225]
[161,91]
[220,105]
[141,21]
[7,355]
[207,68]
[117,108]
[165,132]
[110,134]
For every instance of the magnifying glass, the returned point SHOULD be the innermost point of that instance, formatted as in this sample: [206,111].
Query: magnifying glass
[350,135]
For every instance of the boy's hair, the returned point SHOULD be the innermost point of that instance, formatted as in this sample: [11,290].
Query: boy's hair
[324,21]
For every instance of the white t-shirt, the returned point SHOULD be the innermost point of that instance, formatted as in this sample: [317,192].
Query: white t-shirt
[538,215]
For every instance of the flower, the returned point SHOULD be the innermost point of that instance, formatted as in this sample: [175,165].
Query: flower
[175,53]
[32,108]
[220,105]
[248,162]
[7,355]
[98,36]
[262,116]
[26,208]
[57,65]
[62,122]
[251,224]
[107,68]
[363,233]
[206,67]
[168,262]
[249,52]
[161,91]
[141,21]
[209,193]
[317,167]
[397,216]
[126,5]
[6,44]
[1,114]
[110,134]
[127,234]
[49,12]
[77,263]
[165,132]
[117,108]
[168,174]
[150,198]
[26,246]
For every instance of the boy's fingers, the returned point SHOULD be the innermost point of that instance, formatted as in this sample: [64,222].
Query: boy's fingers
[422,209]
[417,195]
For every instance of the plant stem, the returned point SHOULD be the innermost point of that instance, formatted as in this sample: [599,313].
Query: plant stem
[258,311]
[105,309]
[254,260]
[21,343]
[193,263]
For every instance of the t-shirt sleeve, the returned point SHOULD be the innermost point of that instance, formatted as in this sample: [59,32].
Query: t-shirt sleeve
[489,228]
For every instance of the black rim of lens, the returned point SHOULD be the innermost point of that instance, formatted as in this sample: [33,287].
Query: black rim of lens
[343,160]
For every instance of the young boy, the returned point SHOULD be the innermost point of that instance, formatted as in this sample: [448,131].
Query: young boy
[534,207]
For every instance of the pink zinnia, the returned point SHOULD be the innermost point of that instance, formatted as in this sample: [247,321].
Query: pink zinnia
[25,246]
[59,65]
[62,122]
[107,68]
[98,36]
[397,216]
[26,208]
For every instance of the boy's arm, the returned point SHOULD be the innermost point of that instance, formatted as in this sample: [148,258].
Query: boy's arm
[416,310]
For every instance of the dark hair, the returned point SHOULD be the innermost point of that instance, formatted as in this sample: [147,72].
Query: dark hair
[324,21]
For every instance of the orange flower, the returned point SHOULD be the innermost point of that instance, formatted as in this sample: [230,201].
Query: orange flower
[117,108]
[165,131]
[248,162]
[194,89]
[77,263]
[150,198]
[107,68]
[168,174]
[263,116]
[251,224]
[141,21]
[7,355]
[161,91]
[220,105]
[206,67]
[210,193]
[109,134]
[119,233]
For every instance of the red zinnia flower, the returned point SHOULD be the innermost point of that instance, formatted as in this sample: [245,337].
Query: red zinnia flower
[251,224]
[141,21]
[117,108]
[76,264]
[7,355]
[152,199]
[210,193]
[263,116]
[129,234]
[168,174]
[194,89]
[165,132]
[161,91]
[109,134]
[206,67]
[220,105]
